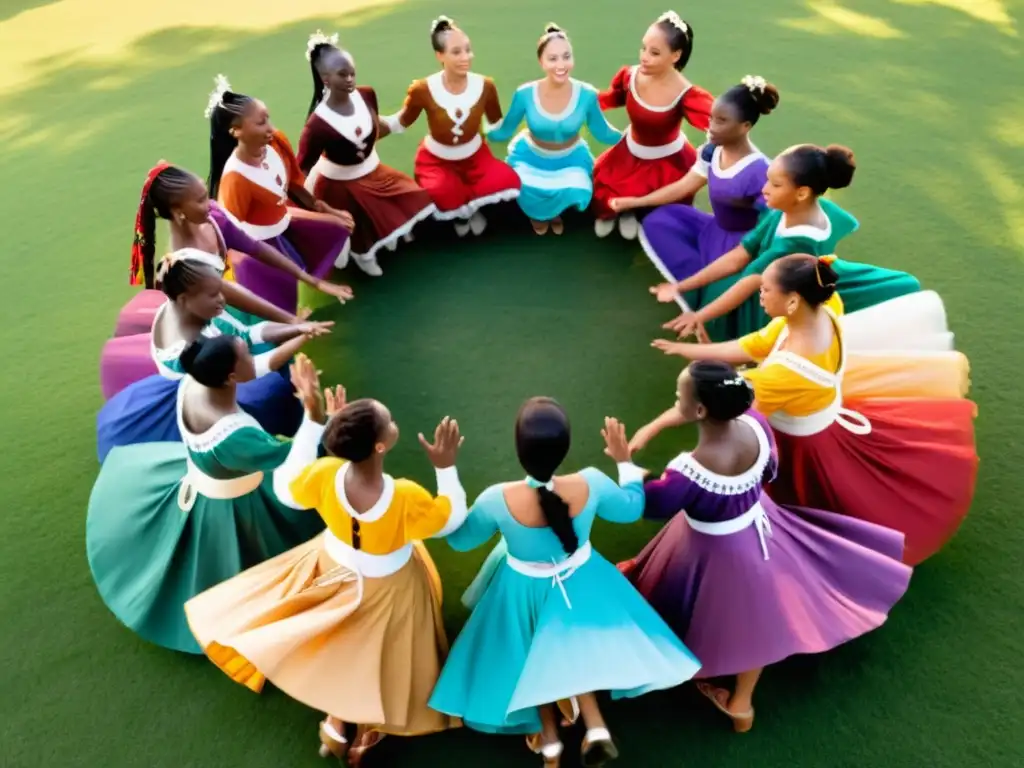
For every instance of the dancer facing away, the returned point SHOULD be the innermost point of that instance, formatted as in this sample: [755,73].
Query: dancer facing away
[553,162]
[366,591]
[254,175]
[167,521]
[657,97]
[799,222]
[338,152]
[680,240]
[907,463]
[527,645]
[145,410]
[453,163]
[744,581]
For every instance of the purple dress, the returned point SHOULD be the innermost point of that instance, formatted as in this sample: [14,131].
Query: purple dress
[680,240]
[746,582]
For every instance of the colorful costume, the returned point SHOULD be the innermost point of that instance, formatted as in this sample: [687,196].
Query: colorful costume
[339,154]
[145,410]
[257,198]
[453,164]
[167,521]
[654,151]
[554,180]
[861,285]
[548,626]
[746,582]
[680,240]
[906,462]
[349,623]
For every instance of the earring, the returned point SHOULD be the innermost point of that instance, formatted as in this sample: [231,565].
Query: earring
[181,218]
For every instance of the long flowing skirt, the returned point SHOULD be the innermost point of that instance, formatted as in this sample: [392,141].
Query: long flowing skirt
[620,173]
[385,204]
[295,620]
[526,645]
[827,580]
[146,411]
[137,315]
[460,188]
[148,556]
[553,180]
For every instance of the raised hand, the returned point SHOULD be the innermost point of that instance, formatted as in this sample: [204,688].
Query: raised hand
[447,441]
[306,380]
[616,445]
[666,293]
[335,400]
[313,329]
[643,436]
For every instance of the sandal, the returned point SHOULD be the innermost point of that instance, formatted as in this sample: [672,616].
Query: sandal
[597,748]
[570,709]
[558,226]
[741,722]
[550,752]
[332,743]
[365,741]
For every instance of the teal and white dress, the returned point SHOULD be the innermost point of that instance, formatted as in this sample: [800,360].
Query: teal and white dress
[547,627]
[553,180]
[168,520]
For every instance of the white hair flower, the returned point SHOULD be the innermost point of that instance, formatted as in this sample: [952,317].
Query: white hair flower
[319,38]
[754,83]
[675,20]
[220,87]
[438,21]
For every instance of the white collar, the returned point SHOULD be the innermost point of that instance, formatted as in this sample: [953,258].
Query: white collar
[450,102]
[360,120]
[805,230]
[376,512]
[650,108]
[736,168]
[569,108]
[263,177]
[727,485]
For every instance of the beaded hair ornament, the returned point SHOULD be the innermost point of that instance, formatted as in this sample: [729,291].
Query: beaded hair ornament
[675,20]
[220,87]
[319,38]
[754,83]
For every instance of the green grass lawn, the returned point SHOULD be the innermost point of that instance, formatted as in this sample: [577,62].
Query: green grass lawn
[925,91]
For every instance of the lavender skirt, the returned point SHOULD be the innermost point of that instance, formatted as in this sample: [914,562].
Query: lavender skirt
[828,579]
[146,411]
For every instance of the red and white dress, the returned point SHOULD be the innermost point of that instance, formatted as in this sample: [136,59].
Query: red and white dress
[453,163]
[338,154]
[653,151]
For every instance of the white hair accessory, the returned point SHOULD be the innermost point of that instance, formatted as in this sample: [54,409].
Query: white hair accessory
[754,83]
[438,21]
[319,38]
[220,87]
[675,20]
[737,381]
[193,255]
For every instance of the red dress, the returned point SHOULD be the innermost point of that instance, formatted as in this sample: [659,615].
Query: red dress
[654,151]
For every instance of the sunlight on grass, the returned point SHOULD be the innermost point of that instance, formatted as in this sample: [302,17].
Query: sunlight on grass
[993,12]
[1007,191]
[77,30]
[1006,128]
[830,18]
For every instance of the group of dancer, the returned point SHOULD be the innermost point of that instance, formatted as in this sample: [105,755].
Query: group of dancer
[243,511]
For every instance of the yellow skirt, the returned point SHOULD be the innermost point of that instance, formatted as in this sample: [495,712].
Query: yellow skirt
[906,374]
[291,621]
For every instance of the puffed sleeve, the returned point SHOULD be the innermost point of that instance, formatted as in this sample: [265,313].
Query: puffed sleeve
[696,104]
[427,516]
[776,387]
[615,95]
[759,344]
[234,195]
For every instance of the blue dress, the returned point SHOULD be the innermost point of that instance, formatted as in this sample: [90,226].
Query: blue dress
[553,180]
[145,412]
[549,627]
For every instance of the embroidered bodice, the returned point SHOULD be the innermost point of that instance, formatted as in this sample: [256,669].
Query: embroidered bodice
[343,139]
[257,196]
[452,118]
[652,126]
[582,110]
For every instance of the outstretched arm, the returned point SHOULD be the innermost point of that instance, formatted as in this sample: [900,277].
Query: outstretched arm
[682,189]
[406,116]
[503,128]
[726,351]
[240,297]
[727,264]
[743,289]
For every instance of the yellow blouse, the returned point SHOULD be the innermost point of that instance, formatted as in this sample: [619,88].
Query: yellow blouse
[406,511]
[778,388]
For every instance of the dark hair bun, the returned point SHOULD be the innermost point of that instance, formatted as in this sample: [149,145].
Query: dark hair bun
[441,24]
[766,99]
[210,361]
[812,278]
[839,166]
[354,432]
[188,356]
[723,392]
[552,28]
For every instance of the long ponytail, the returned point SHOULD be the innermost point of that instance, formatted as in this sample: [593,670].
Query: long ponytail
[556,514]
[317,43]
[224,110]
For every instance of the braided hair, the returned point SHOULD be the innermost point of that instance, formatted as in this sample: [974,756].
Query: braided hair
[178,272]
[164,188]
[542,442]
[225,112]
[318,52]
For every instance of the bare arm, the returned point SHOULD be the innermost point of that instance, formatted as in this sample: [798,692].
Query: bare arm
[732,298]
[669,419]
[242,298]
[682,189]
[270,256]
[725,351]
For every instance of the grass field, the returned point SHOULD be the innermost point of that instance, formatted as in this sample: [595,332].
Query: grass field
[92,94]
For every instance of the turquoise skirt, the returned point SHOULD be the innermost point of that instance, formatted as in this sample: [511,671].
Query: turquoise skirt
[527,644]
[553,180]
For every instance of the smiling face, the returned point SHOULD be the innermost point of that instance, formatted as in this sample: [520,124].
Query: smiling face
[656,55]
[193,204]
[457,56]
[777,302]
[556,59]
[253,128]
[338,72]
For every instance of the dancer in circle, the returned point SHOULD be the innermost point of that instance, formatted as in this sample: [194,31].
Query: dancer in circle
[681,240]
[254,175]
[194,307]
[453,163]
[553,162]
[654,151]
[167,521]
[744,581]
[907,463]
[366,593]
[799,222]
[338,152]
[528,645]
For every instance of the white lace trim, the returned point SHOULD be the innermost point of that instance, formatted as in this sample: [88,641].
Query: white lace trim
[727,485]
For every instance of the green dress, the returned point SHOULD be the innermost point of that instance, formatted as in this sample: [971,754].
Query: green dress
[167,521]
[860,285]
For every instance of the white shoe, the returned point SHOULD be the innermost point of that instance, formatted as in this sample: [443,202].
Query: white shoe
[604,227]
[461,228]
[407,237]
[629,227]
[342,261]
[392,246]
[369,265]
[477,223]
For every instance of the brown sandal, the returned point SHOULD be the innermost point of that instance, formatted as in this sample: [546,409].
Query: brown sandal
[365,741]
[741,722]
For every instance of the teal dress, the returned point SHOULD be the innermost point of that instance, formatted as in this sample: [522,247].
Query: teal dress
[548,627]
[860,285]
[167,521]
